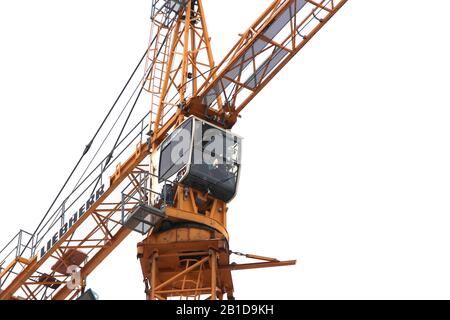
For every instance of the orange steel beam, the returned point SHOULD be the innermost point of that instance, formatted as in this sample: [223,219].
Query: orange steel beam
[189,41]
[32,269]
[258,265]
[213,267]
[300,32]
[95,261]
[189,64]
[13,264]
[307,38]
[180,274]
[302,27]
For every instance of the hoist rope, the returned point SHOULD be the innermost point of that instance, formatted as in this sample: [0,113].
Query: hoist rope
[86,150]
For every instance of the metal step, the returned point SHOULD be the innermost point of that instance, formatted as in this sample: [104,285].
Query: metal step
[143,218]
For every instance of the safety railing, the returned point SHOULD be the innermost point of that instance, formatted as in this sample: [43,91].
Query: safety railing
[166,12]
[94,180]
[27,245]
[146,204]
[19,246]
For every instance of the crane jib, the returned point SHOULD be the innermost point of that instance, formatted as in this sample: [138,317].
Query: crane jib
[72,220]
[259,45]
[184,83]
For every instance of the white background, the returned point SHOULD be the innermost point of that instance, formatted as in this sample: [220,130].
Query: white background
[346,160]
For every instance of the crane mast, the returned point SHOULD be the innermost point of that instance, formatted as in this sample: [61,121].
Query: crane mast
[174,184]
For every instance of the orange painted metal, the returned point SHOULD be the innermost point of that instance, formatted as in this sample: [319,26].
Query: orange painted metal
[191,259]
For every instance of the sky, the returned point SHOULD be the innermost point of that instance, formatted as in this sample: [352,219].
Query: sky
[345,156]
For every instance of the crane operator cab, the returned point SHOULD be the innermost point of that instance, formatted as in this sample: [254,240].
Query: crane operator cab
[201,156]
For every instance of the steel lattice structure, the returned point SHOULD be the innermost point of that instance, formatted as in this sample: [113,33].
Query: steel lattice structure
[191,257]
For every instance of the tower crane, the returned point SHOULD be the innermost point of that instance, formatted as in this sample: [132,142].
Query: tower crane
[170,175]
